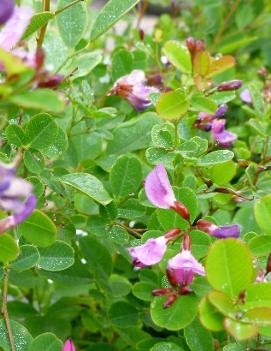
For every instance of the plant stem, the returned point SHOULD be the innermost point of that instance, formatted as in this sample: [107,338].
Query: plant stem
[45,7]
[224,24]
[5,310]
[57,12]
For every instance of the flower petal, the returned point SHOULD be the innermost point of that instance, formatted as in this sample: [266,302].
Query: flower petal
[15,27]
[158,188]
[69,346]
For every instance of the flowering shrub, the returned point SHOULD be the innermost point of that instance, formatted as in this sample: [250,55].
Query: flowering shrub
[135,184]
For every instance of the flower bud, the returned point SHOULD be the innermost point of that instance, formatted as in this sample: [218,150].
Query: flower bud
[191,44]
[6,10]
[268,264]
[170,301]
[181,210]
[230,85]
[161,292]
[171,234]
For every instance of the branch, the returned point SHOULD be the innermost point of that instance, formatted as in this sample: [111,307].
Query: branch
[5,310]
[45,7]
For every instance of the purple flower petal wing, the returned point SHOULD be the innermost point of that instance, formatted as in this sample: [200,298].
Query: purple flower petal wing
[15,27]
[227,231]
[246,97]
[158,188]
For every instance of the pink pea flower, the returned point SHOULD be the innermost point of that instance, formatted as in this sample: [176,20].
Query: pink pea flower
[246,97]
[13,30]
[6,10]
[15,196]
[69,346]
[181,269]
[221,232]
[152,251]
[223,137]
[133,88]
[204,120]
[160,193]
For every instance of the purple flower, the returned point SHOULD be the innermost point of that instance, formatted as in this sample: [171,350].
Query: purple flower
[221,110]
[246,97]
[15,27]
[69,346]
[6,10]
[223,137]
[230,85]
[133,88]
[221,232]
[181,269]
[151,252]
[204,120]
[160,193]
[15,196]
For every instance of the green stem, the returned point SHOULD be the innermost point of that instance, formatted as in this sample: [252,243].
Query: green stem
[5,310]
[57,12]
[40,39]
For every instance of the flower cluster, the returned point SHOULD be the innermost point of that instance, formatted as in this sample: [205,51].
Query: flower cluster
[16,196]
[134,89]
[10,37]
[182,268]
[216,124]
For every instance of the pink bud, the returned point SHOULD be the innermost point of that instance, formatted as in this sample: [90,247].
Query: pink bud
[69,346]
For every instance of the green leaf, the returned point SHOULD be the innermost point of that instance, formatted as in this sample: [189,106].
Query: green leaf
[125,176]
[222,302]
[15,135]
[133,135]
[41,99]
[200,103]
[21,335]
[178,55]
[258,295]
[56,257]
[88,185]
[229,266]
[260,245]
[123,314]
[259,316]
[233,347]
[109,15]
[119,285]
[178,315]
[169,219]
[72,22]
[240,331]
[209,316]
[172,105]
[97,256]
[257,99]
[262,210]
[223,173]
[122,63]
[8,248]
[143,290]
[37,21]
[215,157]
[13,64]
[46,342]
[33,161]
[28,258]
[198,338]
[82,64]
[163,135]
[38,229]
[41,131]
[166,346]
